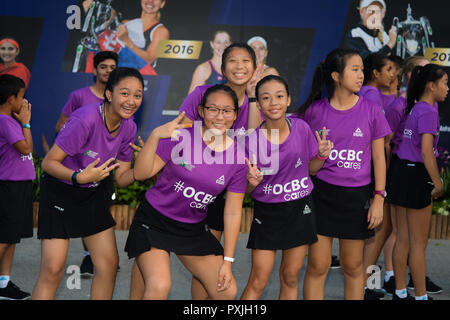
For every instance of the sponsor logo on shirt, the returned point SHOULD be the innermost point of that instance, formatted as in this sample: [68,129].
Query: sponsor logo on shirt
[26,157]
[221,180]
[293,190]
[327,132]
[299,163]
[90,154]
[201,199]
[407,133]
[349,159]
[358,133]
[306,210]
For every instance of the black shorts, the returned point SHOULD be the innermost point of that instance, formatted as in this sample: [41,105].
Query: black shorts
[69,212]
[16,211]
[282,226]
[214,219]
[410,185]
[342,211]
[151,229]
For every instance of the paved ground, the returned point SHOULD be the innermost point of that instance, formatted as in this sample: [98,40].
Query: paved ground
[27,261]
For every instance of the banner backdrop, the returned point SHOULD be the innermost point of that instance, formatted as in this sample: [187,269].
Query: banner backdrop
[59,38]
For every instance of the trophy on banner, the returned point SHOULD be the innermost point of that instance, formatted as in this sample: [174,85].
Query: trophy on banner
[100,28]
[413,35]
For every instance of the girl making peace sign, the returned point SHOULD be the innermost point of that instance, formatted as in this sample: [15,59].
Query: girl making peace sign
[284,213]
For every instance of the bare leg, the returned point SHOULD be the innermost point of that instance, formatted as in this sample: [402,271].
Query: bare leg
[53,260]
[103,250]
[262,265]
[390,242]
[351,253]
[319,261]
[291,264]
[137,286]
[401,248]
[154,265]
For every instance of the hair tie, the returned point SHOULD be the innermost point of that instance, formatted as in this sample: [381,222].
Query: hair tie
[11,41]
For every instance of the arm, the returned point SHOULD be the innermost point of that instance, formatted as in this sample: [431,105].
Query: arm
[148,163]
[375,216]
[200,75]
[324,149]
[232,222]
[25,147]
[52,164]
[149,54]
[387,147]
[254,113]
[429,160]
[61,121]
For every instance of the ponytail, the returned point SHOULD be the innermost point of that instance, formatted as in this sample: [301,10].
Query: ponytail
[316,90]
[336,61]
[420,77]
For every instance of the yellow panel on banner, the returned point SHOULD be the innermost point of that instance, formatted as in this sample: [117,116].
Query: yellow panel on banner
[439,56]
[179,49]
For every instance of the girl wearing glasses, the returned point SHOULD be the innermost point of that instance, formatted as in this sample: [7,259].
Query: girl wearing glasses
[159,228]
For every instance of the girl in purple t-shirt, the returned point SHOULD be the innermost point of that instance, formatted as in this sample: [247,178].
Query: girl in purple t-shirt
[416,178]
[341,195]
[74,195]
[172,217]
[378,74]
[284,213]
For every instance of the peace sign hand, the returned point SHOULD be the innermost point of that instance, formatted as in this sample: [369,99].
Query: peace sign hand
[96,174]
[254,176]
[171,129]
[325,146]
[257,75]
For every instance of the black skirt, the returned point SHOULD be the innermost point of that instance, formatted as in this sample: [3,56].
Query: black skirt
[410,185]
[71,212]
[214,219]
[16,211]
[341,212]
[393,163]
[151,229]
[282,226]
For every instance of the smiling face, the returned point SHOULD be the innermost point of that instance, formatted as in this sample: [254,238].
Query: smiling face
[104,69]
[273,100]
[8,53]
[218,113]
[126,97]
[260,51]
[152,6]
[238,66]
[220,42]
[352,77]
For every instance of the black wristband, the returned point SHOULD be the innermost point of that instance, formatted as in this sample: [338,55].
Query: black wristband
[74,179]
[252,99]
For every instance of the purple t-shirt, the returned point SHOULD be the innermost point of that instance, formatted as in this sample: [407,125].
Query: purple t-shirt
[14,166]
[387,99]
[80,98]
[84,138]
[194,99]
[291,181]
[423,118]
[372,93]
[352,132]
[191,180]
[396,117]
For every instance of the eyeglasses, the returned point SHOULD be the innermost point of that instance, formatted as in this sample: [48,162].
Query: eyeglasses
[214,112]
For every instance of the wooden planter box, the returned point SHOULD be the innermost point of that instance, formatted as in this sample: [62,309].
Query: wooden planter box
[123,215]
[440,227]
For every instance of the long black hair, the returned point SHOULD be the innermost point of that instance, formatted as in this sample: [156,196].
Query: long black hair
[420,76]
[335,61]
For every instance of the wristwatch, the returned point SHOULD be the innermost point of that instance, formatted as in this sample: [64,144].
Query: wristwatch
[382,193]
[74,179]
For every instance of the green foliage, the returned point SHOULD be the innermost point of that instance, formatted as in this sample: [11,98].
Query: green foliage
[36,183]
[134,193]
[248,201]
[442,207]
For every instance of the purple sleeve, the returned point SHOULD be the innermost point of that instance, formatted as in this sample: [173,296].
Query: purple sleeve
[164,149]
[69,106]
[73,136]
[394,118]
[375,97]
[426,123]
[11,132]
[380,126]
[126,152]
[191,103]
[238,182]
